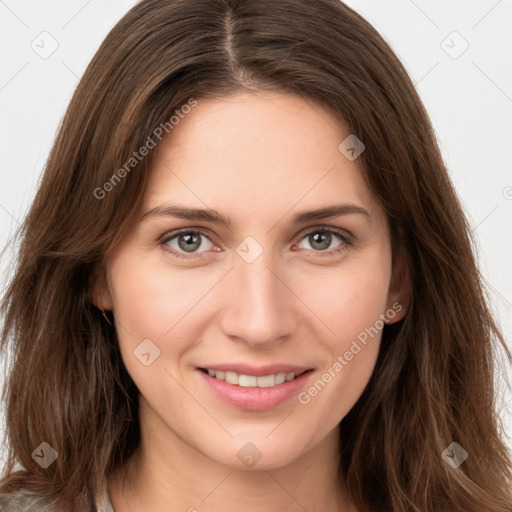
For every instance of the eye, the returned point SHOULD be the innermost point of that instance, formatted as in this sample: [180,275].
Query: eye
[321,239]
[186,242]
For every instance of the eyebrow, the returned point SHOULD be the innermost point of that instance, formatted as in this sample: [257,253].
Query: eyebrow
[213,216]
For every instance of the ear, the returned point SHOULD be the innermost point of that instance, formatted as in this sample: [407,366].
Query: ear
[399,292]
[98,289]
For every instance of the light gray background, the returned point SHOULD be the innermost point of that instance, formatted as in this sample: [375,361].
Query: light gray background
[468,95]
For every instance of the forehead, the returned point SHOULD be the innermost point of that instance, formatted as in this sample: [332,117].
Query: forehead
[256,155]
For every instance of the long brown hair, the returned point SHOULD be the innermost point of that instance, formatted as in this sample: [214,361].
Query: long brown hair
[434,379]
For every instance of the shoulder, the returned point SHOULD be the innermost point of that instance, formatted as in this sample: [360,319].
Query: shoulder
[24,501]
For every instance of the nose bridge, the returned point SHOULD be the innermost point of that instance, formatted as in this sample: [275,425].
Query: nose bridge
[260,306]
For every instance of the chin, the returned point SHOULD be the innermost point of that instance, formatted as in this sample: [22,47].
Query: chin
[258,453]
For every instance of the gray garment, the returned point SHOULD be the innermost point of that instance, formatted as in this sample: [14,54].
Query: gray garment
[28,501]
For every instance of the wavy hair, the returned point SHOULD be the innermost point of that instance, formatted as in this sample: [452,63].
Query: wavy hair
[433,383]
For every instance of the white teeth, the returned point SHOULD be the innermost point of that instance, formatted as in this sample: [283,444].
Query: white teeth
[266,381]
[248,381]
[231,378]
[252,381]
[281,377]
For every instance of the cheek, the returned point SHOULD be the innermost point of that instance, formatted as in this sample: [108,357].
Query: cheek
[140,295]
[154,302]
[348,360]
[349,304]
[141,300]
[347,301]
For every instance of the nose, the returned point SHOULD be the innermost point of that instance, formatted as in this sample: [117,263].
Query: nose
[261,309]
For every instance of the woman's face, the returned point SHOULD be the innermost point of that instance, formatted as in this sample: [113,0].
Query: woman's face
[267,298]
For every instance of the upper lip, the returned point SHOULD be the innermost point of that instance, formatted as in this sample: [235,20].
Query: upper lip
[258,371]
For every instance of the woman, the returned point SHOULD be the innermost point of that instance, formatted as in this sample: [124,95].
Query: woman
[246,281]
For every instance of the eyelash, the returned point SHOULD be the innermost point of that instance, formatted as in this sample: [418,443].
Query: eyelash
[345,239]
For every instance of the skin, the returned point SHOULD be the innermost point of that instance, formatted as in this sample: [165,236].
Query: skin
[257,158]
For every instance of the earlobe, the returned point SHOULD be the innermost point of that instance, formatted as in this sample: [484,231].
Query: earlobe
[399,292]
[98,289]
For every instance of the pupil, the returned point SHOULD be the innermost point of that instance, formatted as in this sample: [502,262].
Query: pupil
[190,241]
[323,238]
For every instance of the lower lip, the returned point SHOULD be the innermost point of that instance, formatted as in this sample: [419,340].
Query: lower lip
[255,399]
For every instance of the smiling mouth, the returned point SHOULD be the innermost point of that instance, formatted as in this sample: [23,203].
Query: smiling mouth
[253,381]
